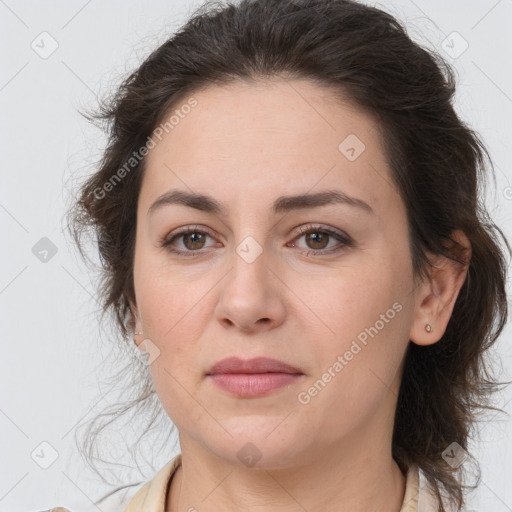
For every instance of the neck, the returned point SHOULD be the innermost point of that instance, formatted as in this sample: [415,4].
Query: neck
[360,480]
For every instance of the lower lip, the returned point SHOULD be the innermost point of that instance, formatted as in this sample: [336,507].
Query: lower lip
[253,384]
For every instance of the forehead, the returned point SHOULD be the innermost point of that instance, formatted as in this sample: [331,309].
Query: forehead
[272,137]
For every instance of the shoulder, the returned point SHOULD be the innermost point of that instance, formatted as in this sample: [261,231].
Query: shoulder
[427,500]
[57,509]
[115,502]
[419,495]
[153,494]
[132,497]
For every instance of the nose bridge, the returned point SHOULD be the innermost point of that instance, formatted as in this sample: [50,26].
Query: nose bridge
[250,235]
[253,259]
[253,230]
[249,293]
[250,265]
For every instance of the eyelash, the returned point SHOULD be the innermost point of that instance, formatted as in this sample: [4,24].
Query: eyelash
[344,239]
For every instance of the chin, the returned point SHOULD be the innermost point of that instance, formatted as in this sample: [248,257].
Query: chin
[258,442]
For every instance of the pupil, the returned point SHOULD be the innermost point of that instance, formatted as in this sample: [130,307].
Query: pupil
[194,238]
[317,238]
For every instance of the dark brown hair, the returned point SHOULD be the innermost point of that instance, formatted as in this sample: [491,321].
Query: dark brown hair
[439,167]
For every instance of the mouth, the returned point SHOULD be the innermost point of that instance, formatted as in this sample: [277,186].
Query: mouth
[252,377]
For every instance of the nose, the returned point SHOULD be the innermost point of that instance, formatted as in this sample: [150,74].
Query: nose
[251,296]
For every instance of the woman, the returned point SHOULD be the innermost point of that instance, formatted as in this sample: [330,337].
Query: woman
[288,219]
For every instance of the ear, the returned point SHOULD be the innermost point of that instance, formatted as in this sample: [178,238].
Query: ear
[435,296]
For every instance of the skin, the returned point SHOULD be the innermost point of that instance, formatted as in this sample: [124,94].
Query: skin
[245,145]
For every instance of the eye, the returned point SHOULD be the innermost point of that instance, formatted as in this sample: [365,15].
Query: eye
[192,238]
[318,238]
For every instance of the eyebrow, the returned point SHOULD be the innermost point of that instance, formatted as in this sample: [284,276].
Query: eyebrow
[281,204]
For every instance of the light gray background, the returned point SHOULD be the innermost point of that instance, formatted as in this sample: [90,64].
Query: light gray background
[51,346]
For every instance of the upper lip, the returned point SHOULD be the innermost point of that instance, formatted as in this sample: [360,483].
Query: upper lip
[256,365]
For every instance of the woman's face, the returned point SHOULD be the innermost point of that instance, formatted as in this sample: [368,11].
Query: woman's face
[335,300]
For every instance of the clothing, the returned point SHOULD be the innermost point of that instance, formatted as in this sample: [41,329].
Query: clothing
[152,496]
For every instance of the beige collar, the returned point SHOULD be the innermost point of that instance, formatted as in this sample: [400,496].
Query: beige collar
[151,497]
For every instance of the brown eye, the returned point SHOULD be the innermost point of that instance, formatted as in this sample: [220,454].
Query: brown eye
[193,241]
[317,240]
[188,242]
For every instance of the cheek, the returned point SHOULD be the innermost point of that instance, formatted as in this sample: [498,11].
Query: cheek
[344,304]
[171,313]
[166,297]
[365,317]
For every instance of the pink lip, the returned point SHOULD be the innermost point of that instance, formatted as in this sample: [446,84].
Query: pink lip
[256,365]
[252,377]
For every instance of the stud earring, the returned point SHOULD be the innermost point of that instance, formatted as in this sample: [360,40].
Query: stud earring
[428,328]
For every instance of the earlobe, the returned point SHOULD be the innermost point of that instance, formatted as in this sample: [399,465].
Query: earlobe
[435,297]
